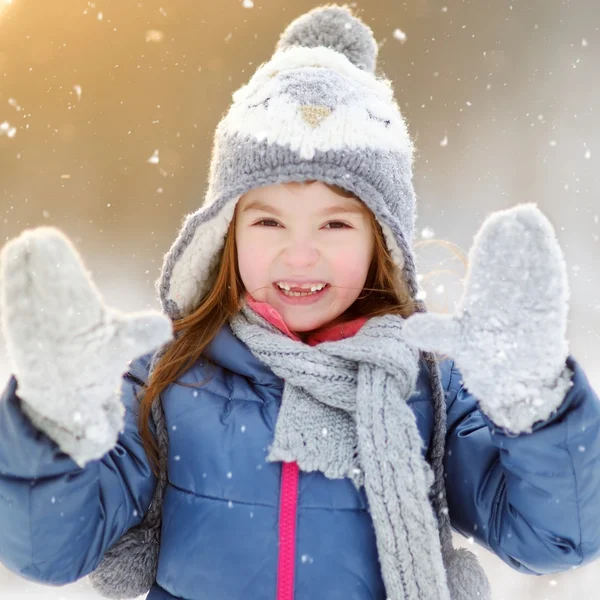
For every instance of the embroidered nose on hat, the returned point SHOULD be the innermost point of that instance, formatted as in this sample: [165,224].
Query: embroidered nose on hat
[314,115]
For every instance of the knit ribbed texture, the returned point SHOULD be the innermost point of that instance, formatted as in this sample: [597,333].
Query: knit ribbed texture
[344,413]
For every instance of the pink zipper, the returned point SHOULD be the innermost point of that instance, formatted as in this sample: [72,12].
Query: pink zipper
[288,506]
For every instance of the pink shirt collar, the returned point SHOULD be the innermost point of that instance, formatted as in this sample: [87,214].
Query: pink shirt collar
[334,333]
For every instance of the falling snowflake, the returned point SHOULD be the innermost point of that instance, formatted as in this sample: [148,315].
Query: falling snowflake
[7,130]
[248,4]
[154,35]
[427,233]
[444,142]
[77,89]
[14,104]
[399,35]
[154,160]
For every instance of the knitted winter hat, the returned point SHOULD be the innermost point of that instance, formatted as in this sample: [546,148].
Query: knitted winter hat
[315,111]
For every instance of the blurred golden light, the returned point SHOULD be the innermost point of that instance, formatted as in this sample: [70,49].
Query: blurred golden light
[3,5]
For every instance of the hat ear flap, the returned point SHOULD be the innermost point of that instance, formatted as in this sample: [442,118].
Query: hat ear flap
[190,265]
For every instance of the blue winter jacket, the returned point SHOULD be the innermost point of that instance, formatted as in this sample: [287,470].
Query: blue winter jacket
[532,499]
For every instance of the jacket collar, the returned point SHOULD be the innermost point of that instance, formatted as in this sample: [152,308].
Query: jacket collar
[232,354]
[227,351]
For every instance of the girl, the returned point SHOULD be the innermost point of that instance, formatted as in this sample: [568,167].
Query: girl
[284,431]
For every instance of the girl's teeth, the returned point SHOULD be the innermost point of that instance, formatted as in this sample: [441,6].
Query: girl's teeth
[299,293]
[314,289]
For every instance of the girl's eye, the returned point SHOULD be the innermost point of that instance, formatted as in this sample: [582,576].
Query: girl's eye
[336,225]
[267,223]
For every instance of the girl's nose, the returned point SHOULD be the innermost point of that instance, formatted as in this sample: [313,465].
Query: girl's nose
[300,255]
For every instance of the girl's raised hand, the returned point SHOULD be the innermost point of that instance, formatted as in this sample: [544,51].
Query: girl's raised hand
[508,334]
[67,349]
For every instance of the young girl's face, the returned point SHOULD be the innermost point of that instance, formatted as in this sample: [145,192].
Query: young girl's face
[303,249]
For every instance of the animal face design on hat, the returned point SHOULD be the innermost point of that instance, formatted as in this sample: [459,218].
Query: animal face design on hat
[310,99]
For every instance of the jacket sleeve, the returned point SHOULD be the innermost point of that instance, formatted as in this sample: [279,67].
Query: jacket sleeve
[532,498]
[57,519]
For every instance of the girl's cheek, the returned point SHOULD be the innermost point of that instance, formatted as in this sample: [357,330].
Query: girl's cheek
[255,242]
[254,269]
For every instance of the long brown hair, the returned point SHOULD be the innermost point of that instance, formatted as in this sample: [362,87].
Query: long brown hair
[385,292]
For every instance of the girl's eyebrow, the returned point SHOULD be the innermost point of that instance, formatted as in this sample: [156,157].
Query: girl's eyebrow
[330,210]
[351,208]
[258,205]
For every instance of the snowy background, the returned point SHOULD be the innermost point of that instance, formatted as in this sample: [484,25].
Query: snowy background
[107,111]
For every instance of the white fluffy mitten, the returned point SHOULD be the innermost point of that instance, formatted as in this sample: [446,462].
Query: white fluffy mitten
[68,350]
[508,334]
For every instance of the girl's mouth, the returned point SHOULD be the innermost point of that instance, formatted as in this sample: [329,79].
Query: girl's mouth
[300,294]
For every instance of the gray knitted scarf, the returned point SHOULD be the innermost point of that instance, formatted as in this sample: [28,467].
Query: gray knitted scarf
[344,413]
